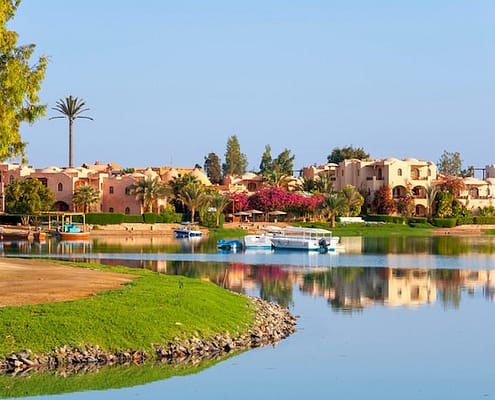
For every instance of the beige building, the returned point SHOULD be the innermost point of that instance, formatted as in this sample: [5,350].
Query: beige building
[402,176]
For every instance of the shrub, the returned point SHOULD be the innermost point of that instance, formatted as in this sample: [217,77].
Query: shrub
[104,218]
[394,219]
[484,220]
[150,218]
[465,221]
[445,222]
[170,216]
[9,219]
[133,218]
[417,220]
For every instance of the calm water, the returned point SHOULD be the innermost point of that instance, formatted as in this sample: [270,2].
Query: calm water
[389,318]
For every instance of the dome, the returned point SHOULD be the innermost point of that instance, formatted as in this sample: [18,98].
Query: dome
[50,170]
[200,176]
[150,173]
[171,174]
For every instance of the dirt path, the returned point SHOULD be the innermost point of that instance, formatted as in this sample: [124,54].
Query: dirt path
[24,281]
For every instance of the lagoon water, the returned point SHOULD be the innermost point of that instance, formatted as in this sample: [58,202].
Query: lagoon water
[408,318]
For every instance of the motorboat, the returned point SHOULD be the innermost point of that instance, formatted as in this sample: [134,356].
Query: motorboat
[187,231]
[258,241]
[71,231]
[229,245]
[309,239]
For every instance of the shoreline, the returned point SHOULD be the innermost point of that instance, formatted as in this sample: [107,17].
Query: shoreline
[271,324]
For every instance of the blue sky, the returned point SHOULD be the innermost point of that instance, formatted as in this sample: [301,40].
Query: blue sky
[170,81]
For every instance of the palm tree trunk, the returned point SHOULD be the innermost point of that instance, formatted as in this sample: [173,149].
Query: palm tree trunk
[71,149]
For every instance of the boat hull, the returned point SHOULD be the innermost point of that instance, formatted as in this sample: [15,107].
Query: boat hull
[73,235]
[257,242]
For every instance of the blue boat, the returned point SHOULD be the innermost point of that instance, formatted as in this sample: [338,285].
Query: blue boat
[229,245]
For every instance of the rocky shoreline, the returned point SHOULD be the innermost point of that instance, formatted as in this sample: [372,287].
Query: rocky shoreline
[272,324]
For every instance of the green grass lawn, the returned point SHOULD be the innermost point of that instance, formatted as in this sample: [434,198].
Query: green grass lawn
[373,230]
[152,309]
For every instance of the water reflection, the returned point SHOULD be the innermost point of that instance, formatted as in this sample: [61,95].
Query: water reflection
[346,289]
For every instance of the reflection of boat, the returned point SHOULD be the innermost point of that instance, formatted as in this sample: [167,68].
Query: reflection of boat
[260,241]
[233,244]
[292,238]
[187,232]
[70,231]
[15,234]
[39,235]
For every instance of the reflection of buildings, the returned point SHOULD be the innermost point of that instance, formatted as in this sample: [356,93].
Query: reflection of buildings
[352,288]
[409,287]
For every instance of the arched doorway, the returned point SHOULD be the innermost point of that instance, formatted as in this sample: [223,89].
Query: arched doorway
[61,206]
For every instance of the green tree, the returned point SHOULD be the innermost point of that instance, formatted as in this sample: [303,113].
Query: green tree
[284,163]
[72,108]
[20,82]
[334,205]
[148,190]
[450,163]
[27,197]
[235,161]
[266,164]
[353,200]
[85,197]
[347,153]
[218,202]
[213,169]
[193,195]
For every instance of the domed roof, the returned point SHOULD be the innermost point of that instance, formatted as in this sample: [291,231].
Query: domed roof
[150,173]
[250,176]
[171,174]
[200,176]
[391,159]
[51,170]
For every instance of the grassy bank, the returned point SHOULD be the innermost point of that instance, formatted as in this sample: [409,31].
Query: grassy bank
[373,230]
[152,309]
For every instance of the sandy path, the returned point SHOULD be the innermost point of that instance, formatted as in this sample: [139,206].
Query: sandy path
[25,281]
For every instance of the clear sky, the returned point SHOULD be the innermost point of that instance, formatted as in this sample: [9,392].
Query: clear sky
[170,81]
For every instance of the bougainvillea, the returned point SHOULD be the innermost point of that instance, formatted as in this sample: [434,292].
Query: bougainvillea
[383,202]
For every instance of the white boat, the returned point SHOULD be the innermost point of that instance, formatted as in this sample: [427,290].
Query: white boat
[184,233]
[309,239]
[187,232]
[259,241]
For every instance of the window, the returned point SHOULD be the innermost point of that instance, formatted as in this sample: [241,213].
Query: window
[110,209]
[127,210]
[251,187]
[110,190]
[399,172]
[380,174]
[11,179]
[128,191]
[60,187]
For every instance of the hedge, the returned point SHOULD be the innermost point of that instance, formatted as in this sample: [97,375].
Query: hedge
[394,219]
[445,222]
[484,220]
[104,218]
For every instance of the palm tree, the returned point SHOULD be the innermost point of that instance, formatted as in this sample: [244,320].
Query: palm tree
[148,190]
[193,195]
[85,197]
[353,200]
[71,108]
[334,205]
[431,194]
[218,202]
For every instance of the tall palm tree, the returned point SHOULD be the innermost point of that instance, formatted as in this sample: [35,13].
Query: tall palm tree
[193,195]
[85,197]
[148,190]
[71,108]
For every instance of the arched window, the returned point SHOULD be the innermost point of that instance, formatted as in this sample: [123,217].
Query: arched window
[399,172]
[60,187]
[127,210]
[251,187]
[110,190]
[110,209]
[128,191]
[11,179]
